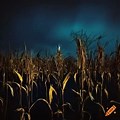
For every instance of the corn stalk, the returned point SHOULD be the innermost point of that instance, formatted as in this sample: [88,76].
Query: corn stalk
[81,62]
[59,66]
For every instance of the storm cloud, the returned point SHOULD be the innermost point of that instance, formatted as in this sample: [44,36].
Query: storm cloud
[45,24]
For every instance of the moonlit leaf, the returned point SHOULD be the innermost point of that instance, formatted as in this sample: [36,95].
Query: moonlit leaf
[11,89]
[51,90]
[19,76]
[65,81]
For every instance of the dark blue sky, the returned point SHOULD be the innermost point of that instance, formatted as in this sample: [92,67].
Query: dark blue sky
[45,24]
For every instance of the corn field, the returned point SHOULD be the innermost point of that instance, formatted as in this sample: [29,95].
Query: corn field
[60,88]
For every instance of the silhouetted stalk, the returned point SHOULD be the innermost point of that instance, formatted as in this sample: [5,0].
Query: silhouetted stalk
[20,92]
[59,66]
[20,95]
[30,85]
[6,98]
[31,91]
[6,102]
[81,53]
[101,93]
[81,83]
[28,90]
[100,59]
[5,88]
[46,90]
[4,79]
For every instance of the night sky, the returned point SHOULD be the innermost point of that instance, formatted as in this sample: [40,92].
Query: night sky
[45,24]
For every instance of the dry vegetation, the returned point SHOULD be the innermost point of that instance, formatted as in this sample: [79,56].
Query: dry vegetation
[58,88]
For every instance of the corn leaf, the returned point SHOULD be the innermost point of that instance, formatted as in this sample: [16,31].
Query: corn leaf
[19,76]
[51,90]
[101,107]
[16,84]
[65,81]
[28,116]
[96,88]
[91,97]
[1,101]
[76,92]
[11,89]
[20,109]
[35,83]
[114,102]
[75,75]
[88,114]
[40,100]
[25,90]
[106,92]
